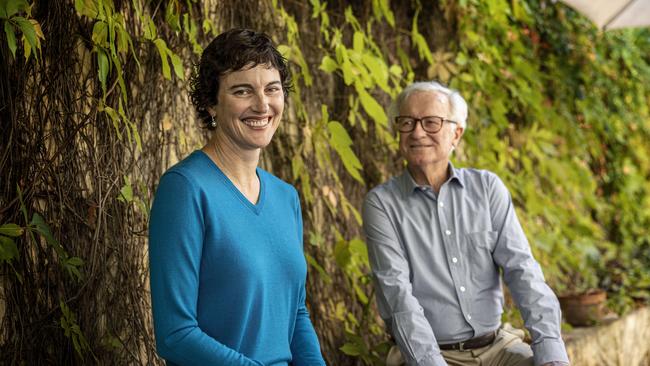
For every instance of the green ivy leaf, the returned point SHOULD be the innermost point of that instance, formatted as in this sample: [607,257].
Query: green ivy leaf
[8,249]
[12,7]
[76,261]
[173,16]
[72,265]
[11,38]
[29,33]
[11,230]
[321,271]
[123,40]
[342,254]
[359,249]
[44,229]
[361,294]
[351,349]
[102,67]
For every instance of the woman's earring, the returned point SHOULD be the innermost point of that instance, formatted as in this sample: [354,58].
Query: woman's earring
[213,123]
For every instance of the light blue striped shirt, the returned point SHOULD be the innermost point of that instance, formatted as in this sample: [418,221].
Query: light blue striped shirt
[435,260]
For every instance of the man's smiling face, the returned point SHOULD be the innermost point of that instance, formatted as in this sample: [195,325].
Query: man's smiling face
[423,150]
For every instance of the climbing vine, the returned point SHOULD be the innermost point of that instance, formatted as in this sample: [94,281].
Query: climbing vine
[558,109]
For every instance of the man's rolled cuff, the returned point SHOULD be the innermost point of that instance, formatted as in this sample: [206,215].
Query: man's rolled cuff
[430,359]
[549,350]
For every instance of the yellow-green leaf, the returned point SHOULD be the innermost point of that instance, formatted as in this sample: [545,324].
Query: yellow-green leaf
[87,8]
[178,65]
[162,51]
[328,64]
[126,192]
[284,50]
[100,34]
[378,70]
[12,230]
[149,28]
[207,26]
[358,41]
[371,106]
[388,14]
[115,118]
[341,142]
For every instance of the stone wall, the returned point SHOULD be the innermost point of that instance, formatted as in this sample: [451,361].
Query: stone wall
[621,342]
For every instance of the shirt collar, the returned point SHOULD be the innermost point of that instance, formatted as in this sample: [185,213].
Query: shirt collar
[408,184]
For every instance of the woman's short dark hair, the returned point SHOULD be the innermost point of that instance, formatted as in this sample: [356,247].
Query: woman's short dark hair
[231,51]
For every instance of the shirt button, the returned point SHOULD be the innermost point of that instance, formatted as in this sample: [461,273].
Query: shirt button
[462,288]
[454,259]
[469,317]
[441,204]
[447,232]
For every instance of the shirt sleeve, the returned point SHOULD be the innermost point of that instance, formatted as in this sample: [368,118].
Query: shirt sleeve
[536,301]
[397,306]
[175,246]
[305,348]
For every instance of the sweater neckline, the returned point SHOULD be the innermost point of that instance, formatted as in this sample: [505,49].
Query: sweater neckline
[255,207]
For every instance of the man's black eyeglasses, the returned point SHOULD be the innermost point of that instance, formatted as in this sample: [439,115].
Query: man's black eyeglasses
[431,124]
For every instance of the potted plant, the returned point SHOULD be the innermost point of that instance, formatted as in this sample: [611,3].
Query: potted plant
[583,303]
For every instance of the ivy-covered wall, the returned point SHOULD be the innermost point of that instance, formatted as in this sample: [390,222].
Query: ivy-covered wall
[95,107]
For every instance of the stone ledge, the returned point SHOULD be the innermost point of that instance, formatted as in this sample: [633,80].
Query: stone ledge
[621,342]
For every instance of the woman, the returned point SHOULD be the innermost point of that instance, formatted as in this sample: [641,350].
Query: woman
[227,266]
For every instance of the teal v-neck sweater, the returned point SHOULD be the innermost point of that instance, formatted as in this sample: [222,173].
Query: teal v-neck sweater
[228,276]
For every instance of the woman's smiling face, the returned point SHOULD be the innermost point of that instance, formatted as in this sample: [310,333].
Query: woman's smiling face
[249,106]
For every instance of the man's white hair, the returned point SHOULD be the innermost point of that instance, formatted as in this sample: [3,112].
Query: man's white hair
[457,104]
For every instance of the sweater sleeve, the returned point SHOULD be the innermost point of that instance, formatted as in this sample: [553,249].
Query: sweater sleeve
[175,247]
[305,348]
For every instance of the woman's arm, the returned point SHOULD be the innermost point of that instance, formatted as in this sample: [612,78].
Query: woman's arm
[305,348]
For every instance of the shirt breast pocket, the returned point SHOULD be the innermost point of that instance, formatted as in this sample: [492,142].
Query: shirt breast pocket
[480,245]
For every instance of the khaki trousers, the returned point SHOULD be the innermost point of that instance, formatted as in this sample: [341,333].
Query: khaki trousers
[508,349]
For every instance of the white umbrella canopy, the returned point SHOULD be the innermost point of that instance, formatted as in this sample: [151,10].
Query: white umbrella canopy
[611,14]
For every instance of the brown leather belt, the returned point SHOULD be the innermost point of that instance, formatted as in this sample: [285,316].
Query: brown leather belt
[477,342]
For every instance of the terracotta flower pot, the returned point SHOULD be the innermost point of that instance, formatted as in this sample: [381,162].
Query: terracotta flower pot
[583,309]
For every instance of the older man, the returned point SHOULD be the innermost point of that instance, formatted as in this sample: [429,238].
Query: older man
[437,237]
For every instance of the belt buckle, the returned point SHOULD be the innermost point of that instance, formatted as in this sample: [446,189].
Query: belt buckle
[461,346]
